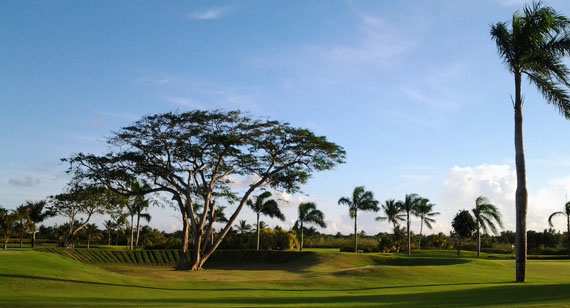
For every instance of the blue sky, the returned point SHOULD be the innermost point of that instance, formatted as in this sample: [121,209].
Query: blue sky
[413,90]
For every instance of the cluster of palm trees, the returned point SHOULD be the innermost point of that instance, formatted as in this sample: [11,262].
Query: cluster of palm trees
[23,220]
[394,211]
[263,205]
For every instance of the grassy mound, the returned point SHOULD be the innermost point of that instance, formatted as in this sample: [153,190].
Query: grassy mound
[111,256]
[331,279]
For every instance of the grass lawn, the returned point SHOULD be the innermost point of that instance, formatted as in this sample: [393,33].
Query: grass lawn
[318,279]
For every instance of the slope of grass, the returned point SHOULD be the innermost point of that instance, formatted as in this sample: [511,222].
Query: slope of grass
[330,279]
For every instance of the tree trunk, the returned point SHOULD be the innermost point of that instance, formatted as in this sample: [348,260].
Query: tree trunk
[184,246]
[355,233]
[521,196]
[478,239]
[33,239]
[6,237]
[197,252]
[21,239]
[409,236]
[138,230]
[109,241]
[132,244]
[568,232]
[88,241]
[301,247]
[117,238]
[459,247]
[421,229]
[257,231]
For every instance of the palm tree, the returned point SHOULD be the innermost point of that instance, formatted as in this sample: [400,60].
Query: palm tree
[566,213]
[392,211]
[409,206]
[425,211]
[243,226]
[92,233]
[22,214]
[485,214]
[7,221]
[109,226]
[534,46]
[139,205]
[37,215]
[361,200]
[308,213]
[261,206]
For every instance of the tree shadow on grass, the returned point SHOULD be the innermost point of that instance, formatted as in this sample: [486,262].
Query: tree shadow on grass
[245,289]
[507,295]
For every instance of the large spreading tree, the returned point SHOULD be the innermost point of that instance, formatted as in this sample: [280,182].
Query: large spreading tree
[534,46]
[193,158]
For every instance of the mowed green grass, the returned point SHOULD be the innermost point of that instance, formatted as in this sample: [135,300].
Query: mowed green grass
[324,279]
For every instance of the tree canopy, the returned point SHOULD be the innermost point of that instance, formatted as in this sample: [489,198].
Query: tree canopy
[194,157]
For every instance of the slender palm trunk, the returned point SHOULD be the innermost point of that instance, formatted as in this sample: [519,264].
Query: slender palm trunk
[33,239]
[421,229]
[478,238]
[301,247]
[132,232]
[409,236]
[257,231]
[138,230]
[5,241]
[21,238]
[521,196]
[109,238]
[355,233]
[568,232]
[88,241]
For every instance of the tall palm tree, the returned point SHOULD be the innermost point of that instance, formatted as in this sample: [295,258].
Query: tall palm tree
[262,206]
[92,233]
[361,200]
[243,226]
[109,226]
[409,206]
[534,46]
[486,215]
[308,213]
[37,215]
[7,221]
[140,204]
[566,213]
[22,214]
[424,211]
[392,212]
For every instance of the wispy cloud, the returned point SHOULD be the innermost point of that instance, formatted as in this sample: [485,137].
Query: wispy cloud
[27,181]
[210,14]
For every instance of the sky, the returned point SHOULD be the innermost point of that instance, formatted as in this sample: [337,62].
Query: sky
[414,91]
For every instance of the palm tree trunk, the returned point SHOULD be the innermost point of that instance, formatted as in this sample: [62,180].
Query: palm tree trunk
[21,239]
[138,230]
[109,241]
[5,241]
[257,231]
[409,236]
[355,233]
[88,241]
[421,229]
[568,232]
[301,248]
[478,239]
[33,239]
[521,196]
[132,232]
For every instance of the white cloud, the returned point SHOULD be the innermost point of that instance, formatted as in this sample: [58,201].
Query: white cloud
[498,183]
[27,181]
[210,14]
